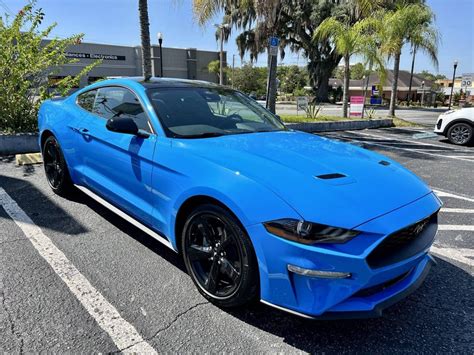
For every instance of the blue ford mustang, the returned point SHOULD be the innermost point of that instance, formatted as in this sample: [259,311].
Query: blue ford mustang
[305,224]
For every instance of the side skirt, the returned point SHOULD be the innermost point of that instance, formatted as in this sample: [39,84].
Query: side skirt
[125,216]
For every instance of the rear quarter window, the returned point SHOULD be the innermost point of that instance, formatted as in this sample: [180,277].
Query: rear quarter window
[86,100]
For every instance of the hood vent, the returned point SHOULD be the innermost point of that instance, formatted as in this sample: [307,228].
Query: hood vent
[384,163]
[331,176]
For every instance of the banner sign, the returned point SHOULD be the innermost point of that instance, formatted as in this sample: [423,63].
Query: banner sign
[94,56]
[357,105]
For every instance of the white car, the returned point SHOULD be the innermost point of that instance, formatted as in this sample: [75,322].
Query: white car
[457,125]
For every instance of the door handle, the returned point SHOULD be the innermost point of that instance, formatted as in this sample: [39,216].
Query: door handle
[83,130]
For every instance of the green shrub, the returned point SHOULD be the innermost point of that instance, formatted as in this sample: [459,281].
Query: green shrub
[25,64]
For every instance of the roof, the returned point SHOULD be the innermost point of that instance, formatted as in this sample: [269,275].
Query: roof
[156,82]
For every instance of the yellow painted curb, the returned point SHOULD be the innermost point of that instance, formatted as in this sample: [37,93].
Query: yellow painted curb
[28,159]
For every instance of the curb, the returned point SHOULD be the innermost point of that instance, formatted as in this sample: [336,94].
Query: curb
[340,125]
[19,143]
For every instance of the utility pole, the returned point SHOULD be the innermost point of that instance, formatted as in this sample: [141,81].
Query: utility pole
[452,84]
[233,67]
[411,76]
[422,93]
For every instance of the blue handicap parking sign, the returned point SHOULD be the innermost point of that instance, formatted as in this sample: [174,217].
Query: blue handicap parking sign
[274,41]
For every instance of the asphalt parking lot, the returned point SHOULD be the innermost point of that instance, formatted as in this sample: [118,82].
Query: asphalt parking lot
[145,287]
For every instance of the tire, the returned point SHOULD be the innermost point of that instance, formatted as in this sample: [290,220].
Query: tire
[213,241]
[460,133]
[55,168]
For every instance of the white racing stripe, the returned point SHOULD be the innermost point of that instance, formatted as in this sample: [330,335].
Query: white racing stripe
[123,334]
[463,256]
[455,227]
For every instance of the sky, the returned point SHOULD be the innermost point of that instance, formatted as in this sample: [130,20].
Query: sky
[116,22]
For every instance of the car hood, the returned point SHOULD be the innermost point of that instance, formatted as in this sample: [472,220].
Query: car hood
[325,181]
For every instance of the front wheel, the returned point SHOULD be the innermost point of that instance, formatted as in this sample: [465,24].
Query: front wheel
[460,133]
[219,257]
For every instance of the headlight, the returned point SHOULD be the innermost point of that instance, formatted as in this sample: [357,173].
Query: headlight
[309,233]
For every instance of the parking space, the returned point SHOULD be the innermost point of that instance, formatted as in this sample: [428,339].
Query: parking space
[75,277]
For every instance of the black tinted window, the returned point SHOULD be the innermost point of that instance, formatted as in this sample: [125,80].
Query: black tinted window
[199,111]
[120,102]
[86,100]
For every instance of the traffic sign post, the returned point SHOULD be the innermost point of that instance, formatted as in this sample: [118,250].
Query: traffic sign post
[466,83]
[274,43]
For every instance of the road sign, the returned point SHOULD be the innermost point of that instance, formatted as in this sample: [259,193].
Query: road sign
[301,103]
[467,80]
[274,42]
[357,105]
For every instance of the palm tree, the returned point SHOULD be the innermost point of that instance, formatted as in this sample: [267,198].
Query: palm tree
[145,38]
[347,40]
[408,24]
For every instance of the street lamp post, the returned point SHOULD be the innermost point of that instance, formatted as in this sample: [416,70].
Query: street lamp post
[221,67]
[160,42]
[452,84]
[422,92]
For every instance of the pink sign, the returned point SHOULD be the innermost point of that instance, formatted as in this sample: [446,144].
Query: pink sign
[357,105]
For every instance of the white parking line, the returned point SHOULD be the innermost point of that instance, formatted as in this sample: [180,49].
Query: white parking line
[450,194]
[455,227]
[382,144]
[123,334]
[460,255]
[457,210]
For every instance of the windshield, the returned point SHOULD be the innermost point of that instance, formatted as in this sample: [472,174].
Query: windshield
[197,112]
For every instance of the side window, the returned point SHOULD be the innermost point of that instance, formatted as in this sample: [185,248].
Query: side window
[120,102]
[86,100]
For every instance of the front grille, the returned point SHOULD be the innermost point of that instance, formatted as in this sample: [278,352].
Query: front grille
[405,243]
[440,122]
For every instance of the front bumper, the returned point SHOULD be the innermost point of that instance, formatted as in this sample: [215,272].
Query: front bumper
[366,292]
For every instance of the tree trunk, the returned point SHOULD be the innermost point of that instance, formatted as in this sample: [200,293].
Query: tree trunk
[272,84]
[145,38]
[393,96]
[347,77]
[320,71]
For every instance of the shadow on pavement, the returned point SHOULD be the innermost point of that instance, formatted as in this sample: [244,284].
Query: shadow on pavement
[39,207]
[438,317]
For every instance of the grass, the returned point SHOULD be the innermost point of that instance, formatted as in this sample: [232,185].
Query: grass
[302,118]
[398,122]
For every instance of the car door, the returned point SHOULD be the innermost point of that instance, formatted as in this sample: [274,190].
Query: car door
[118,166]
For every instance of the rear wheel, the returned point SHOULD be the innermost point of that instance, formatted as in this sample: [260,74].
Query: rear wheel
[219,257]
[460,133]
[55,167]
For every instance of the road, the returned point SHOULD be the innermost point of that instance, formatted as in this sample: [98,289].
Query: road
[426,117]
[66,265]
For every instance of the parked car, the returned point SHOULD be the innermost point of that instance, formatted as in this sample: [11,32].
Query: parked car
[309,225]
[457,126]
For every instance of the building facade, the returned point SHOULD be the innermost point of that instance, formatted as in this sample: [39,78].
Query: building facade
[119,61]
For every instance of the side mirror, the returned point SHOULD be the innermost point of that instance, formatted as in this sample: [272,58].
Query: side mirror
[125,125]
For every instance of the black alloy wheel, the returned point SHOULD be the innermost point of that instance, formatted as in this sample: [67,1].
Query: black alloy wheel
[460,133]
[219,257]
[55,167]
